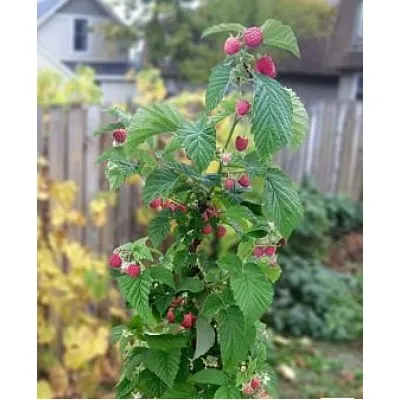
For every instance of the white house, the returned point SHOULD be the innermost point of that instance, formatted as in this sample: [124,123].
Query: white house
[68,35]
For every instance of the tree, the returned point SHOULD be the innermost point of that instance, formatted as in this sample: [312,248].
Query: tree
[196,302]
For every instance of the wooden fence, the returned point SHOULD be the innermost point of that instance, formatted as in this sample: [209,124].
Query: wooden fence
[331,154]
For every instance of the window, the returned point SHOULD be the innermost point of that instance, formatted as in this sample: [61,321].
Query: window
[80,34]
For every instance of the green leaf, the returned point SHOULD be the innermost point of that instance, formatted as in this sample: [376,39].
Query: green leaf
[135,357]
[272,116]
[300,121]
[210,376]
[124,389]
[252,291]
[245,249]
[107,128]
[212,304]
[282,202]
[121,115]
[159,227]
[115,333]
[159,184]
[198,140]
[117,172]
[172,146]
[194,285]
[273,273]
[181,390]
[254,166]
[140,250]
[230,262]
[166,342]
[162,275]
[150,121]
[237,217]
[231,335]
[205,337]
[163,302]
[277,34]
[164,364]
[112,154]
[227,27]
[217,84]
[136,291]
[273,382]
[228,392]
[151,385]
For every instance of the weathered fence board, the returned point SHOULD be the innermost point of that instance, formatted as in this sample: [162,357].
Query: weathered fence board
[331,154]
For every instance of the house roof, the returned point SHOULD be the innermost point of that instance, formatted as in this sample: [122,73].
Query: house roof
[47,8]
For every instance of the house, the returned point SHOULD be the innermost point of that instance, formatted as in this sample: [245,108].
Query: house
[68,35]
[330,67]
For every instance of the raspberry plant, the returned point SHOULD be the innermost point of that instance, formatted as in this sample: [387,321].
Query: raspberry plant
[195,330]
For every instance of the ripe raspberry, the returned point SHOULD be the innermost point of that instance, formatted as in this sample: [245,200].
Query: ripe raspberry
[176,302]
[182,208]
[269,251]
[266,66]
[231,46]
[156,203]
[187,321]
[255,383]
[242,108]
[207,229]
[133,270]
[170,316]
[119,135]
[258,251]
[241,143]
[221,231]
[226,158]
[247,389]
[244,180]
[253,37]
[171,205]
[229,184]
[115,261]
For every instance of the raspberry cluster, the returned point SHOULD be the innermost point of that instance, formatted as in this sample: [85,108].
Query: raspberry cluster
[115,261]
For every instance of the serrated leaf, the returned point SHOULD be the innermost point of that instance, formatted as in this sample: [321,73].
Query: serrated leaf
[217,84]
[279,35]
[112,154]
[272,116]
[237,216]
[121,115]
[151,385]
[107,128]
[212,304]
[151,120]
[282,203]
[252,291]
[115,333]
[162,275]
[272,382]
[159,227]
[227,392]
[194,285]
[159,184]
[140,250]
[164,364]
[210,376]
[227,27]
[245,249]
[172,146]
[300,121]
[181,390]
[254,166]
[198,139]
[166,342]
[136,292]
[230,262]
[163,302]
[231,333]
[205,337]
[117,172]
[124,389]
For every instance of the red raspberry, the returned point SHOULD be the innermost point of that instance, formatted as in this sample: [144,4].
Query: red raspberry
[269,251]
[133,270]
[176,302]
[182,208]
[156,203]
[255,383]
[119,135]
[205,215]
[115,261]
[266,66]
[207,229]
[229,184]
[242,107]
[241,143]
[244,180]
[187,321]
[258,251]
[170,316]
[231,46]
[221,231]
[253,37]
[171,205]
[247,389]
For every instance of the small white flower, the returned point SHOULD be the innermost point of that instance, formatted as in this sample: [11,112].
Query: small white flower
[226,158]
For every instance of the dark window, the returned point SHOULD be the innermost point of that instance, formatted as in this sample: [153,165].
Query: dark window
[80,34]
[359,92]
